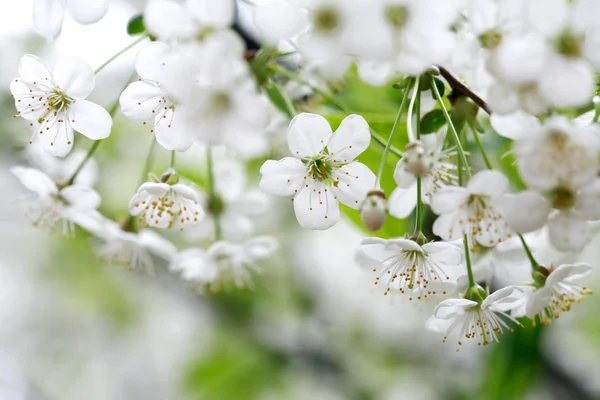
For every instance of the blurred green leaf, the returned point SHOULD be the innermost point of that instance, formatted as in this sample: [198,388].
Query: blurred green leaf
[136,26]
[433,121]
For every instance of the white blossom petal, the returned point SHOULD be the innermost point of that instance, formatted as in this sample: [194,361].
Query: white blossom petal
[448,199]
[87,12]
[402,202]
[74,76]
[81,197]
[140,99]
[566,232]
[350,139]
[283,177]
[316,207]
[354,182]
[35,181]
[524,212]
[308,134]
[48,17]
[488,183]
[168,20]
[516,125]
[90,119]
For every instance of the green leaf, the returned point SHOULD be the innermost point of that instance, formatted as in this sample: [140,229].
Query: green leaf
[440,87]
[433,121]
[136,26]
[278,99]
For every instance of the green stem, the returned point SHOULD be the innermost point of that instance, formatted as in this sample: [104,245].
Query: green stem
[378,138]
[419,212]
[488,164]
[289,105]
[212,191]
[172,160]
[391,138]
[472,282]
[534,263]
[124,50]
[409,127]
[459,148]
[148,163]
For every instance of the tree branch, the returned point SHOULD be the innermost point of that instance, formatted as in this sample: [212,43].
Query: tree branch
[460,90]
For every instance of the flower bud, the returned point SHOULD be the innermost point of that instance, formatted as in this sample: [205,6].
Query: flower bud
[416,159]
[373,210]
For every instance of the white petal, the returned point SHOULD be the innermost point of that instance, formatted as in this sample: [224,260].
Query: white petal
[283,177]
[524,212]
[402,202]
[150,61]
[171,132]
[588,201]
[156,189]
[516,125]
[252,203]
[32,69]
[87,12]
[502,99]
[374,73]
[35,181]
[185,192]
[567,83]
[235,226]
[74,76]
[398,245]
[530,49]
[447,227]
[537,301]
[350,139]
[280,20]
[316,207]
[504,299]
[568,273]
[90,119]
[168,20]
[261,247]
[567,233]
[488,183]
[448,199]
[81,197]
[55,137]
[443,252]
[48,17]
[217,14]
[157,244]
[449,308]
[308,134]
[354,181]
[139,99]
[548,16]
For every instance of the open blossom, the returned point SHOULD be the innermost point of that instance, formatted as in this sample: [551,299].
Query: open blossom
[162,205]
[555,290]
[424,158]
[408,266]
[224,263]
[55,104]
[483,320]
[48,15]
[120,247]
[147,99]
[48,204]
[472,210]
[61,169]
[322,171]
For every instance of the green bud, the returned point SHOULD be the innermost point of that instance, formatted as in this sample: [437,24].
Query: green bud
[476,294]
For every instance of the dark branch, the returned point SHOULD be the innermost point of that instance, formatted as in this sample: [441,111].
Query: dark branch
[460,90]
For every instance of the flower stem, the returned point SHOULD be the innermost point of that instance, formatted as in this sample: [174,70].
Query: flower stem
[409,120]
[419,208]
[172,160]
[124,50]
[534,263]
[488,164]
[461,90]
[148,163]
[378,138]
[391,138]
[212,192]
[459,148]
[468,262]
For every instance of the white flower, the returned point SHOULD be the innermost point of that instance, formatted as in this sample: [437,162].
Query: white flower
[427,159]
[472,210]
[558,290]
[61,169]
[224,263]
[231,203]
[147,99]
[48,15]
[404,264]
[322,171]
[162,205]
[171,20]
[120,247]
[483,320]
[554,154]
[47,204]
[55,104]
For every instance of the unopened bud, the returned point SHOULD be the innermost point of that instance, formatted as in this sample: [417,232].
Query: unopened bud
[373,210]
[416,159]
[170,178]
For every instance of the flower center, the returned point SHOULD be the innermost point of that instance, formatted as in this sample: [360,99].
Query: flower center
[326,19]
[57,102]
[562,198]
[220,103]
[397,16]
[490,39]
[320,168]
[568,43]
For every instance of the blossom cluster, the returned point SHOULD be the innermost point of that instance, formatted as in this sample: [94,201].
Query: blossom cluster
[525,71]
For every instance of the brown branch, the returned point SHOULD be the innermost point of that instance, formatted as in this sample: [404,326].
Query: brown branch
[460,90]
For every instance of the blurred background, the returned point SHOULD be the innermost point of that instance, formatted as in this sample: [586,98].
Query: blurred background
[313,327]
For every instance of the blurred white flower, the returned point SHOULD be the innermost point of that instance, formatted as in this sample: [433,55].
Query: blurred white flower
[161,205]
[472,210]
[48,204]
[408,266]
[223,263]
[61,170]
[483,320]
[322,171]
[426,159]
[55,104]
[48,15]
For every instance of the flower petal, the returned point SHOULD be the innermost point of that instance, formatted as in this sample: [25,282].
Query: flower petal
[87,12]
[55,137]
[516,125]
[210,13]
[448,199]
[35,181]
[186,192]
[354,181]
[308,134]
[547,16]
[588,201]
[524,212]
[157,244]
[566,82]
[402,202]
[488,183]
[316,207]
[74,76]
[150,61]
[90,119]
[444,252]
[261,247]
[566,232]
[155,189]
[569,273]
[81,197]
[32,69]
[168,20]
[140,99]
[283,177]
[48,17]
[398,245]
[280,20]
[171,132]
[503,299]
[350,139]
